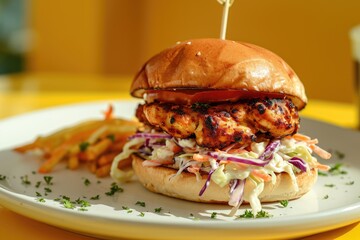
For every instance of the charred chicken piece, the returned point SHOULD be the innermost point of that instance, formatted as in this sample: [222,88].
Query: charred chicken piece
[219,125]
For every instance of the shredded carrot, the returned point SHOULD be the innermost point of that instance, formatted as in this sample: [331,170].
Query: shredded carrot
[321,152]
[261,175]
[312,141]
[312,144]
[108,114]
[200,158]
[223,161]
[301,137]
[304,138]
[322,167]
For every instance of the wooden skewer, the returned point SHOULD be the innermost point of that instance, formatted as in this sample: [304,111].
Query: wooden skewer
[226,4]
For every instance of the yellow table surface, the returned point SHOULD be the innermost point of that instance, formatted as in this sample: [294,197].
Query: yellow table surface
[27,92]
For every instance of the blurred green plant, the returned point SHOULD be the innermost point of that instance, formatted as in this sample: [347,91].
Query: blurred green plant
[12,50]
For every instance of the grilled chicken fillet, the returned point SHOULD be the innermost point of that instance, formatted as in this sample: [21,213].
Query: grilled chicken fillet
[219,125]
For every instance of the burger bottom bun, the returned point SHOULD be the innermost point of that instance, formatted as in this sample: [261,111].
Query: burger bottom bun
[186,186]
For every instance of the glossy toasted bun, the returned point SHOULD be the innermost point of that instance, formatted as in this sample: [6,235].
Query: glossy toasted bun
[210,64]
[185,186]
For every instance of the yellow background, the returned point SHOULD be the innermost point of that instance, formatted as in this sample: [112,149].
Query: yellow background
[117,36]
[78,46]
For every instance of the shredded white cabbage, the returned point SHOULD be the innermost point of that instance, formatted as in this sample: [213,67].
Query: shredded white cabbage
[253,197]
[162,154]
[187,143]
[115,172]
[258,148]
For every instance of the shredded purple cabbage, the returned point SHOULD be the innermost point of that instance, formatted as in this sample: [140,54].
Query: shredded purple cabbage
[233,184]
[264,158]
[237,192]
[207,183]
[269,150]
[299,163]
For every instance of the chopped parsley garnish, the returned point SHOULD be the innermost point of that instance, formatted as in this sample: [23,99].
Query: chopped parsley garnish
[284,203]
[38,184]
[83,146]
[142,214]
[79,204]
[42,200]
[336,170]
[38,194]
[140,203]
[82,203]
[48,180]
[128,210]
[97,197]
[47,190]
[263,214]
[158,210]
[68,204]
[2,177]
[249,214]
[25,180]
[66,198]
[326,196]
[350,183]
[213,215]
[329,185]
[114,189]
[87,182]
[339,155]
[33,172]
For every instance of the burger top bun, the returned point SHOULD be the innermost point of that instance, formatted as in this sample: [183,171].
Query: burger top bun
[211,64]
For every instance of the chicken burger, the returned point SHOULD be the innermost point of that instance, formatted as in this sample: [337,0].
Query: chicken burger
[220,125]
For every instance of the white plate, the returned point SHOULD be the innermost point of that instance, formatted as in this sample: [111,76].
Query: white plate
[178,219]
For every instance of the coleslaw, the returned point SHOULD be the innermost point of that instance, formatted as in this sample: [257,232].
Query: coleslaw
[258,162]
